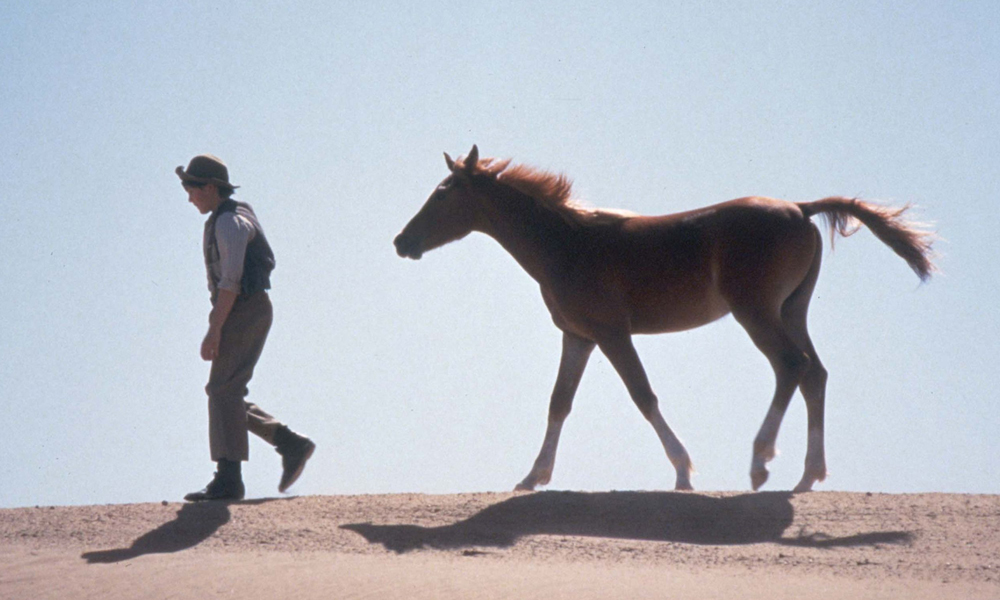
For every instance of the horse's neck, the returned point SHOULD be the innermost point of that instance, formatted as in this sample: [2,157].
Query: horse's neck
[536,236]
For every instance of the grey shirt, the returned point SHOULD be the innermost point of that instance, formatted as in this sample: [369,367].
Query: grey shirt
[233,231]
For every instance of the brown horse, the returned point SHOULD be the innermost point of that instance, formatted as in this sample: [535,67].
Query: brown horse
[607,275]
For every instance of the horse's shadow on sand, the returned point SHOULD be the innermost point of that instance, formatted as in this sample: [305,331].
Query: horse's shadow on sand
[649,516]
[195,523]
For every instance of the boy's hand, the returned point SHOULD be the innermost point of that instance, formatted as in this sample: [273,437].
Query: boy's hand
[220,312]
[210,345]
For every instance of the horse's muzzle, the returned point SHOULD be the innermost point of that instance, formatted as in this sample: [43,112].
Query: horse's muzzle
[407,247]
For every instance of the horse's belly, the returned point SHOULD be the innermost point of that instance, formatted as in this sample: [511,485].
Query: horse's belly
[674,313]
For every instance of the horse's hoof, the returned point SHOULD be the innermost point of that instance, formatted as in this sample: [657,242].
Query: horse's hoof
[757,478]
[808,481]
[524,486]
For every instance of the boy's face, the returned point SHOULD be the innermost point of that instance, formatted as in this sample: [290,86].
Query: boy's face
[205,198]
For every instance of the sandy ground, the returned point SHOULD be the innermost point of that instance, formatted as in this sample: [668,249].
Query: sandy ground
[540,545]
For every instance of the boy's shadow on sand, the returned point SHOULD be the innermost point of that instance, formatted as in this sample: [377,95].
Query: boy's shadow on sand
[195,523]
[651,516]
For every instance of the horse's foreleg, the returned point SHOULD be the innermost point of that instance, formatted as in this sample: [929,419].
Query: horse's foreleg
[575,353]
[621,352]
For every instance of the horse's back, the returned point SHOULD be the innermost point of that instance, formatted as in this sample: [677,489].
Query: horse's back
[686,269]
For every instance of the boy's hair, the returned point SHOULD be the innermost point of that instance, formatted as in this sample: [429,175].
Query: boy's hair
[224,192]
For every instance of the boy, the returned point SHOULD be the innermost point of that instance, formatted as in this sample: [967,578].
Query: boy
[239,261]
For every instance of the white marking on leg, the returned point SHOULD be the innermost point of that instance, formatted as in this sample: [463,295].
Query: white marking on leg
[764,449]
[675,450]
[815,462]
[541,472]
[547,456]
[816,456]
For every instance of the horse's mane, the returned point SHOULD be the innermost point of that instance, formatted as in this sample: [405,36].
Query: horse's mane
[551,190]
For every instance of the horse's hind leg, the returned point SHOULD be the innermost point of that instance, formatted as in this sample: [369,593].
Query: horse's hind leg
[813,384]
[575,353]
[623,357]
[790,363]
[813,387]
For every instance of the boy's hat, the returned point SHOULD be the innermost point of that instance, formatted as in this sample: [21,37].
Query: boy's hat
[206,168]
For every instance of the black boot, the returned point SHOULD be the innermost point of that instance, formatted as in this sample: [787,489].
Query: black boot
[227,484]
[295,450]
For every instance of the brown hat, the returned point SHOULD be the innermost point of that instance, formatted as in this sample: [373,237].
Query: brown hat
[206,168]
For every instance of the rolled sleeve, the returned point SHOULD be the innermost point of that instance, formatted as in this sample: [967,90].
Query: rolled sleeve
[232,234]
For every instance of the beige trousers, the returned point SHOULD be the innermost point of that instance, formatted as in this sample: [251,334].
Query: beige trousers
[230,416]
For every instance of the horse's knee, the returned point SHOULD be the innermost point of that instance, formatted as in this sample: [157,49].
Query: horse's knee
[816,376]
[793,364]
[648,406]
[559,413]
[813,385]
[560,407]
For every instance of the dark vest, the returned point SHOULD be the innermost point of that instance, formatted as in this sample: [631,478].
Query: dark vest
[258,262]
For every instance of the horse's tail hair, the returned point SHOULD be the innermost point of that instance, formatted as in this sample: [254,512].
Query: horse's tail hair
[911,241]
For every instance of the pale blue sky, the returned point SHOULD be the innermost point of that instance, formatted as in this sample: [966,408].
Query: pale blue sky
[434,376]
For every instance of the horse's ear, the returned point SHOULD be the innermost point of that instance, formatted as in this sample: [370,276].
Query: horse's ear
[472,159]
[449,162]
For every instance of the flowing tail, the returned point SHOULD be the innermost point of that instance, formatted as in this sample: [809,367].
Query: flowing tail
[907,239]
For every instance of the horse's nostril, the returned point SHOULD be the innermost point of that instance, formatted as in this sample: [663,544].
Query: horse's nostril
[406,247]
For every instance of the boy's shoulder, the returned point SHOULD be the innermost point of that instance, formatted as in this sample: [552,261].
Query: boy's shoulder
[230,206]
[237,219]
